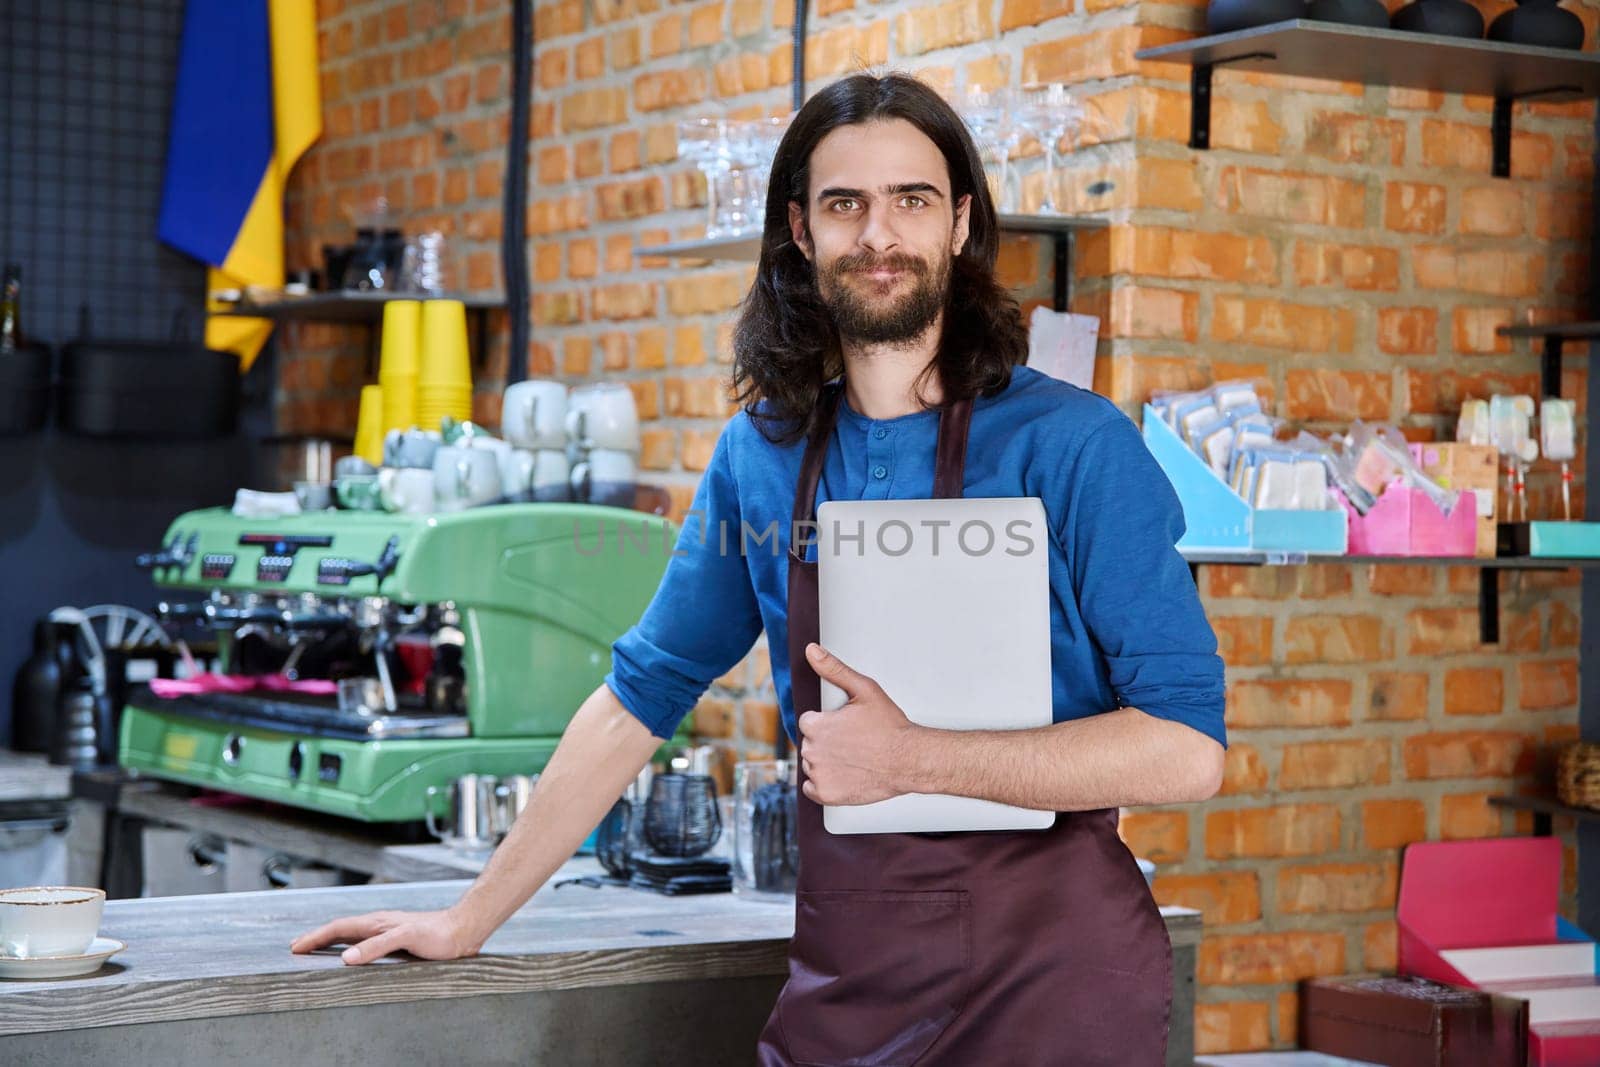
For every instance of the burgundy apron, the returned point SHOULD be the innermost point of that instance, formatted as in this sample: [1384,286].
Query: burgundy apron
[1013,947]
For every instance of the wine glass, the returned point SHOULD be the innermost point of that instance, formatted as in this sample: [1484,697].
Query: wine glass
[1051,113]
[988,113]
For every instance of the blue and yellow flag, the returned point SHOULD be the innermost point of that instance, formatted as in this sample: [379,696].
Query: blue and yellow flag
[247,106]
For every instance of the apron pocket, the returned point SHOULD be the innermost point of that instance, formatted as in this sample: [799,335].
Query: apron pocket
[875,977]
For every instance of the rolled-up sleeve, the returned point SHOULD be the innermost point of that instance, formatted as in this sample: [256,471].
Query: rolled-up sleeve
[703,618]
[1134,589]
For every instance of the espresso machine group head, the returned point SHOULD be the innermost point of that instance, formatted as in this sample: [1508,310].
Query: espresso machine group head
[368,655]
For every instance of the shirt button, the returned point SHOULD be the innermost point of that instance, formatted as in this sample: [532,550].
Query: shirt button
[881,433]
[880,471]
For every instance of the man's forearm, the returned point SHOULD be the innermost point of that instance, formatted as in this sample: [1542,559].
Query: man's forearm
[601,752]
[1122,758]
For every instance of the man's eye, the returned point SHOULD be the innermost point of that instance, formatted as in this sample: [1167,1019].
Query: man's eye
[844,205]
[914,202]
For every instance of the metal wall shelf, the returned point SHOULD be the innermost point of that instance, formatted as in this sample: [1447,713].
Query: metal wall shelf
[352,306]
[1060,228]
[1335,52]
[1544,808]
[1554,335]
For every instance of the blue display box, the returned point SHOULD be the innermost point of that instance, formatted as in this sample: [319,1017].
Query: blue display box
[1217,518]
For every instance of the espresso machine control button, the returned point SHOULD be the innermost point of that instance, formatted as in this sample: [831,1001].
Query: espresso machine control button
[216,566]
[273,568]
[333,570]
[297,760]
[328,765]
[232,749]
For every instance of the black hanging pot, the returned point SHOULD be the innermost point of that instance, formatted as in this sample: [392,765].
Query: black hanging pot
[1350,12]
[1539,22]
[1442,18]
[174,390]
[1225,16]
[24,390]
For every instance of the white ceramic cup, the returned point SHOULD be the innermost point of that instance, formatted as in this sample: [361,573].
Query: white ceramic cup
[533,414]
[516,473]
[410,448]
[607,476]
[49,920]
[552,473]
[603,416]
[465,477]
[406,489]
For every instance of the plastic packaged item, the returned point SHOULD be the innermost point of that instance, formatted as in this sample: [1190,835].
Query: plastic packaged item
[1472,428]
[1558,435]
[1235,396]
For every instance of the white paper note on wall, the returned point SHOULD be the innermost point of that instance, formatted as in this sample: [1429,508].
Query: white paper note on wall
[1061,345]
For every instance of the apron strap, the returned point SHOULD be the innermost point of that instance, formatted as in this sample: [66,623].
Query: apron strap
[950,459]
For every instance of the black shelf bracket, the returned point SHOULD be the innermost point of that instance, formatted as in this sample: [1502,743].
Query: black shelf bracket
[1063,271]
[1489,606]
[1550,365]
[1200,96]
[1500,125]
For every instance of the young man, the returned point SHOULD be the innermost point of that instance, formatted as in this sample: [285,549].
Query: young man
[877,357]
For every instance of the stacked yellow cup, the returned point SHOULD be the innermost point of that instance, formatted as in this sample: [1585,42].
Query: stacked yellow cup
[397,365]
[369,425]
[444,373]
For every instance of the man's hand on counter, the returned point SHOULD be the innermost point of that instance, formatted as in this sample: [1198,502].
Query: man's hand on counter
[429,935]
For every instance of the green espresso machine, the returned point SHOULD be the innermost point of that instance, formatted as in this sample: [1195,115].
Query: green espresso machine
[367,655]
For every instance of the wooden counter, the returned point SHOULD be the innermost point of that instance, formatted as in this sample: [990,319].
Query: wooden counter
[581,975]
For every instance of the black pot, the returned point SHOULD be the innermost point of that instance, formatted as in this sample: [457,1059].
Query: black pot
[1442,18]
[173,391]
[1350,12]
[1225,16]
[1539,22]
[24,390]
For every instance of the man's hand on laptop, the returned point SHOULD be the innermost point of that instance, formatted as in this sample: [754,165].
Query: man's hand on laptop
[861,752]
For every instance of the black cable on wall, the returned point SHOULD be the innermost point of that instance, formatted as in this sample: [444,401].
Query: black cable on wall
[514,228]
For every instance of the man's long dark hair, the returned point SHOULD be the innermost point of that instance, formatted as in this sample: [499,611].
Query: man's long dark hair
[786,346]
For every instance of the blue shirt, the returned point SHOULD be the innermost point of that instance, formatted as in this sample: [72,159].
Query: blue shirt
[1127,626]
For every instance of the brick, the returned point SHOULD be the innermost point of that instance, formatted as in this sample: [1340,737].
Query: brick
[1337,887]
[1348,137]
[714,717]
[1288,702]
[1492,211]
[1267,959]
[547,263]
[554,68]
[1244,126]
[1474,691]
[1101,54]
[1547,684]
[1408,331]
[1561,214]
[1392,823]
[593,108]
[1463,754]
[1171,184]
[1224,898]
[1334,764]
[1336,639]
[627,300]
[705,24]
[1492,273]
[589,58]
[631,199]
[688,347]
[657,449]
[553,19]
[1244,640]
[761,721]
[650,348]
[1015,13]
[1564,626]
[929,27]
[1243,771]
[1387,579]
[1342,395]
[588,158]
[1232,1026]
[706,293]
[1379,946]
[1397,696]
[614,351]
[697,448]
[1359,267]
[1287,830]
[1437,631]
[1288,196]
[844,48]
[577,356]
[1433,393]
[647,399]
[1468,815]
[666,36]
[1414,207]
[1204,256]
[1274,323]
[626,48]
[1158,836]
[670,88]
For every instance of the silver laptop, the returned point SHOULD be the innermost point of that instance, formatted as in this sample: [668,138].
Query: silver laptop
[946,604]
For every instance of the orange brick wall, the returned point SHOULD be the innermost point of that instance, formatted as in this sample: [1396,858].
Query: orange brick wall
[1345,247]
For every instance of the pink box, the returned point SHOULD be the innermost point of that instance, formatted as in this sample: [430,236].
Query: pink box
[1494,892]
[1406,522]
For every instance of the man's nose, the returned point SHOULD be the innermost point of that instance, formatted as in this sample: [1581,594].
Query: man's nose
[878,233]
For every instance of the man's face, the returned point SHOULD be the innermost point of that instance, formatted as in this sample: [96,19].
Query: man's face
[880,229]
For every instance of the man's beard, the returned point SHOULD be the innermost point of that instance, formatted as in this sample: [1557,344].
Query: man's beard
[862,318]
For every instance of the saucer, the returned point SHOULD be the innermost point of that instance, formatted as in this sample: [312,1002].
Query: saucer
[102,949]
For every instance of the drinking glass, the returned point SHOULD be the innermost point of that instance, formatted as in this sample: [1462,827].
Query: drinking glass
[766,843]
[1050,113]
[704,142]
[988,113]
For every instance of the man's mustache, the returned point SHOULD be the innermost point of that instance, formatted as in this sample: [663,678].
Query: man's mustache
[864,262]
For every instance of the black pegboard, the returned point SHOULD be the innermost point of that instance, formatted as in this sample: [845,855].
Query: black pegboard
[87,93]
